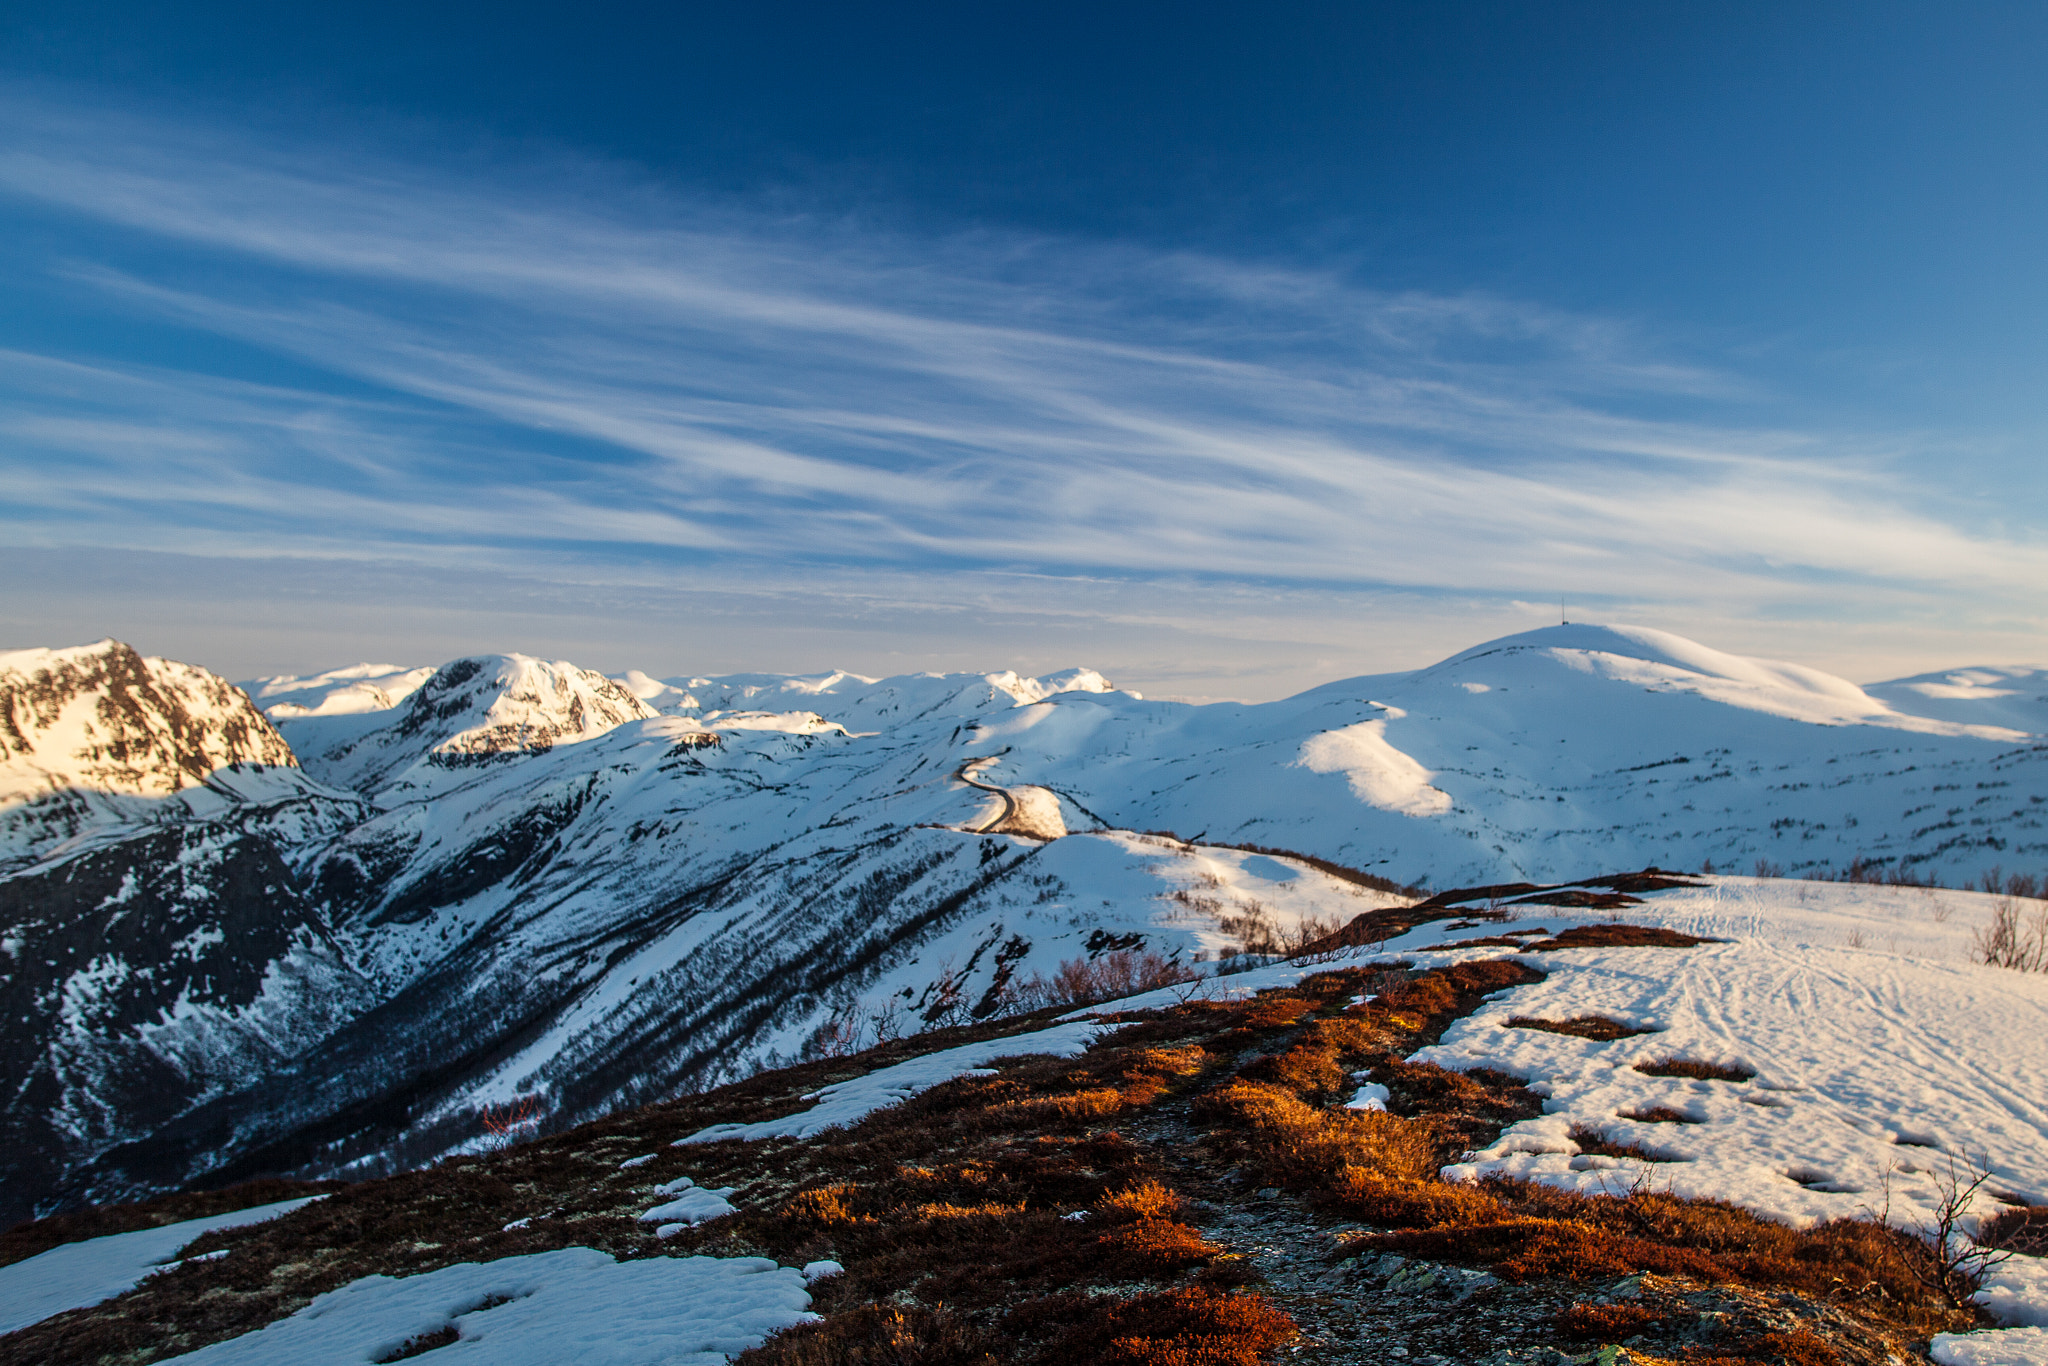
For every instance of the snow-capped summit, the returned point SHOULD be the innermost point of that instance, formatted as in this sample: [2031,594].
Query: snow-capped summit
[1661,661]
[664,697]
[467,710]
[102,717]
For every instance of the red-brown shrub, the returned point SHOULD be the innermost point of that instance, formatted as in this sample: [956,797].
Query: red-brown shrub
[1189,1327]
[876,1335]
[1606,1322]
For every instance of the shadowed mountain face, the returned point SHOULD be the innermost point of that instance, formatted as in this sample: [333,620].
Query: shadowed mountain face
[146,975]
[522,879]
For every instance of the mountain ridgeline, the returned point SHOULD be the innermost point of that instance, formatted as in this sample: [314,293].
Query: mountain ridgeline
[318,926]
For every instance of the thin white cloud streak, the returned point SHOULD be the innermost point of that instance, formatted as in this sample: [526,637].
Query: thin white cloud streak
[786,393]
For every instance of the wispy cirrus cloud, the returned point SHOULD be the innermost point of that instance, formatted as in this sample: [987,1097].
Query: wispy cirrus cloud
[571,365]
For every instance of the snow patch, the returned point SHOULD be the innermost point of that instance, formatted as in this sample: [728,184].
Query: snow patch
[1370,1096]
[848,1102]
[694,1204]
[1998,1347]
[1380,775]
[574,1304]
[74,1275]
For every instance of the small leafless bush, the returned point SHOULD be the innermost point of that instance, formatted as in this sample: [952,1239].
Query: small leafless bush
[946,1004]
[839,1036]
[2012,940]
[1380,981]
[1306,931]
[1769,868]
[1956,1263]
[2020,1228]
[506,1124]
[886,1020]
[1251,927]
[1084,981]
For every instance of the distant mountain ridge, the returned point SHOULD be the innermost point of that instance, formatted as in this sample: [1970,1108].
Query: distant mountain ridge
[436,890]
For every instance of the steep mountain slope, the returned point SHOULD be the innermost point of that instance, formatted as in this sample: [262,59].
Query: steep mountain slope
[146,975]
[157,947]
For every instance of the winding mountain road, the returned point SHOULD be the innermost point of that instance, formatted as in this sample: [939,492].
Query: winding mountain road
[965,773]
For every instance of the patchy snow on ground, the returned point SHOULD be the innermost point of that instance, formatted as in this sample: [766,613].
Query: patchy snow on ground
[74,1275]
[1370,1096]
[2016,1292]
[572,1305]
[1885,1063]
[1999,1347]
[693,1204]
[849,1102]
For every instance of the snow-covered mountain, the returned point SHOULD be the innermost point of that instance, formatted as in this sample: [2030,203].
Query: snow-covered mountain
[468,711]
[528,879]
[85,732]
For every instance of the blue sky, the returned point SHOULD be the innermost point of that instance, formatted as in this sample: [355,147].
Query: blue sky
[1227,351]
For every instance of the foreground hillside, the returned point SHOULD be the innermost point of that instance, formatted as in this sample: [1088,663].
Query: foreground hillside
[513,881]
[1707,1121]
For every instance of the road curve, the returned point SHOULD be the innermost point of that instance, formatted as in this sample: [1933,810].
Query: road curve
[965,773]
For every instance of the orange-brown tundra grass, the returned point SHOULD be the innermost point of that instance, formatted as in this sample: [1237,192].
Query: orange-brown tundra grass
[947,1211]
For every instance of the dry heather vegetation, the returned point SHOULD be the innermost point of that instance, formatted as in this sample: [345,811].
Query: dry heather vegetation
[1232,1209]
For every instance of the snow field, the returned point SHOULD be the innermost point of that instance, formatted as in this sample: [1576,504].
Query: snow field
[1872,1068]
[572,1305]
[74,1275]
[848,1102]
